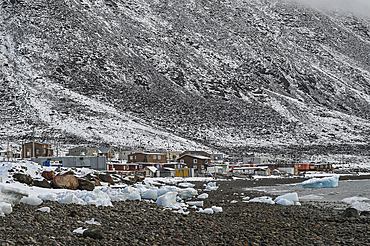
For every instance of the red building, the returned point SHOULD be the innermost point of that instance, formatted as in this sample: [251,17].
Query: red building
[35,149]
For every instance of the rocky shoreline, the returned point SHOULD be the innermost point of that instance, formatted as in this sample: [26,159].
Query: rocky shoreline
[144,223]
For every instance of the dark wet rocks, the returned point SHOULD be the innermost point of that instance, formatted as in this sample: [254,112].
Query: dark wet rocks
[106,178]
[95,233]
[22,178]
[84,184]
[41,183]
[350,213]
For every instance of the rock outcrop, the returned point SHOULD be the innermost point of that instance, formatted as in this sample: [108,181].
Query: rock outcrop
[65,181]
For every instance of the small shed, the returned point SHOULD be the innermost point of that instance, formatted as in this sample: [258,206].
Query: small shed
[262,171]
[150,171]
[167,172]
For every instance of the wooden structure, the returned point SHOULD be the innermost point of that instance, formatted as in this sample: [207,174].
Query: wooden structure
[147,157]
[36,149]
[198,162]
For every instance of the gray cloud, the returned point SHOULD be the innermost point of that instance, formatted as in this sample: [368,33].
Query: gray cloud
[358,7]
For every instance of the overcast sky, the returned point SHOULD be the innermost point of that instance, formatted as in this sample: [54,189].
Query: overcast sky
[359,7]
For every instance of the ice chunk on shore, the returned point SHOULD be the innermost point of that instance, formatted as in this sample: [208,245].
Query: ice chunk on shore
[12,195]
[150,194]
[135,195]
[80,230]
[32,200]
[44,209]
[186,185]
[196,203]
[288,199]
[203,196]
[206,211]
[167,199]
[211,186]
[217,209]
[246,198]
[92,222]
[187,193]
[327,182]
[265,199]
[5,208]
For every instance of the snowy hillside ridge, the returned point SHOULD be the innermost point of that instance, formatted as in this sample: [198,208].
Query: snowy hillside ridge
[232,76]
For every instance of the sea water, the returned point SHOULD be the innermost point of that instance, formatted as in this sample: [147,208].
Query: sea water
[353,193]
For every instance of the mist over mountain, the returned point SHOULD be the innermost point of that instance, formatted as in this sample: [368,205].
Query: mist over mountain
[229,76]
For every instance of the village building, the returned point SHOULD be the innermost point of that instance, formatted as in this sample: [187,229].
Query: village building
[107,152]
[147,157]
[123,154]
[199,163]
[195,152]
[172,156]
[97,163]
[150,171]
[176,165]
[167,172]
[83,152]
[36,149]
[218,158]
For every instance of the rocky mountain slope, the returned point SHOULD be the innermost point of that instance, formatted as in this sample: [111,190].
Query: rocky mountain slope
[233,76]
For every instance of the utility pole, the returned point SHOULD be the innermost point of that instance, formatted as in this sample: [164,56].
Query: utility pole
[7,150]
[214,165]
[33,143]
[120,154]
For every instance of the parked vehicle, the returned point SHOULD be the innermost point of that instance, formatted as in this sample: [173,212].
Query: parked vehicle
[52,163]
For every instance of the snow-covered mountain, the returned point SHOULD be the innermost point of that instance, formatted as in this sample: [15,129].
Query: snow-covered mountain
[233,76]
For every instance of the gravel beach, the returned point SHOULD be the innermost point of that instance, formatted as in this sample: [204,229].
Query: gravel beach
[144,223]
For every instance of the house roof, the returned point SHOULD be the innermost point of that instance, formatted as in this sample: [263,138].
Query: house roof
[252,168]
[168,168]
[37,143]
[147,153]
[201,157]
[151,168]
[196,152]
[103,150]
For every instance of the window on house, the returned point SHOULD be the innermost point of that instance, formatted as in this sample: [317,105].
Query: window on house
[154,157]
[159,157]
[131,157]
[195,161]
[182,161]
[37,152]
[202,166]
[140,166]
[195,167]
[44,151]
